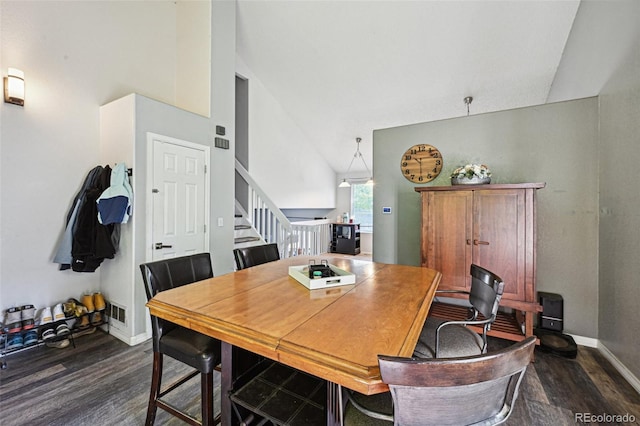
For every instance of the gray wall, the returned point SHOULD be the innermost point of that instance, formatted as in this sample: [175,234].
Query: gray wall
[620,211]
[554,143]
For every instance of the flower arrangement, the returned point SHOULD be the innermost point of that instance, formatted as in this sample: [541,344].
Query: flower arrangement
[470,171]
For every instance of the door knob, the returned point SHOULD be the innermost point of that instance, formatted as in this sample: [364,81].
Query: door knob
[160,246]
[480,243]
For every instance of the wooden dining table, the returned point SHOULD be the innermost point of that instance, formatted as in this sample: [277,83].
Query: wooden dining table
[333,333]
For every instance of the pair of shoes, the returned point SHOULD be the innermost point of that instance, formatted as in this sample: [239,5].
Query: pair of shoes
[30,337]
[48,333]
[20,318]
[76,308]
[62,330]
[94,302]
[96,318]
[15,341]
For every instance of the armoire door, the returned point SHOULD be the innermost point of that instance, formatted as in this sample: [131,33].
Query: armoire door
[447,231]
[499,237]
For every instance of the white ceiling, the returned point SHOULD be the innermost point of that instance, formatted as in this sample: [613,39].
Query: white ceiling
[342,69]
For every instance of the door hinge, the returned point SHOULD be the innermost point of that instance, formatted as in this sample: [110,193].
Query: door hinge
[205,228]
[205,169]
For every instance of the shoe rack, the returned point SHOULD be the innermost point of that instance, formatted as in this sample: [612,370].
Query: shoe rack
[64,321]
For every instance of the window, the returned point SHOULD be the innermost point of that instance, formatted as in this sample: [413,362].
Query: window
[362,205]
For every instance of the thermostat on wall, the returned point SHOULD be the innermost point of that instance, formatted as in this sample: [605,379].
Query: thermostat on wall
[386,210]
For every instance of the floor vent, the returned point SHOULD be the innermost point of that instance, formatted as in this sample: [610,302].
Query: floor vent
[118,314]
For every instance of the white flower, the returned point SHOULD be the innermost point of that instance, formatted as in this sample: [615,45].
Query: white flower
[471,170]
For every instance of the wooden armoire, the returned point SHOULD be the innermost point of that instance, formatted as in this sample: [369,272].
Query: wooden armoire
[493,226]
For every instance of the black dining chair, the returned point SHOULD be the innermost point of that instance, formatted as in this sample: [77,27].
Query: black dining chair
[182,344]
[247,257]
[442,338]
[473,390]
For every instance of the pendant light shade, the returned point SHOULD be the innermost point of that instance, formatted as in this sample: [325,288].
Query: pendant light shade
[357,154]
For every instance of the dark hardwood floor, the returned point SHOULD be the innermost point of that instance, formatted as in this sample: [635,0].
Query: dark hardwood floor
[105,382]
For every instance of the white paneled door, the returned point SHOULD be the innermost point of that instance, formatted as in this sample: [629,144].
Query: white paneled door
[179,198]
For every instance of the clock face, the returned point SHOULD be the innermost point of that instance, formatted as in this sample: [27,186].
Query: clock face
[421,163]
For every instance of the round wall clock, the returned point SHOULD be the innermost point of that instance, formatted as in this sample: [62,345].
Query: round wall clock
[421,163]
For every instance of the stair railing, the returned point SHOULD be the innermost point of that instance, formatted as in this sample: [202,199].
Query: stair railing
[293,238]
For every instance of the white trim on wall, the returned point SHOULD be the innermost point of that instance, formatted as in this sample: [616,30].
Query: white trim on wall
[618,365]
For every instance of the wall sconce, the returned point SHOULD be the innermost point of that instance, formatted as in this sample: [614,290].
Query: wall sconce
[14,87]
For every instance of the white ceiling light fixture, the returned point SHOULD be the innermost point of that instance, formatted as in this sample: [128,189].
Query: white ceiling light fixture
[357,154]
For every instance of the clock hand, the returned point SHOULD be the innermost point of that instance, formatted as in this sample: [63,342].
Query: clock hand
[419,160]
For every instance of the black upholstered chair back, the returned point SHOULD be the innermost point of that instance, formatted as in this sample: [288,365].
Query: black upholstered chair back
[201,352]
[439,391]
[166,274]
[247,257]
[486,291]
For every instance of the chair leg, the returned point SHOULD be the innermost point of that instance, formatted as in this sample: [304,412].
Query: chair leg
[206,385]
[156,382]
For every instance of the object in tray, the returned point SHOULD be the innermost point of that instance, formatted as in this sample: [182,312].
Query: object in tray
[321,270]
[337,276]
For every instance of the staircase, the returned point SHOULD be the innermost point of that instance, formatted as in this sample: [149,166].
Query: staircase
[245,234]
[263,222]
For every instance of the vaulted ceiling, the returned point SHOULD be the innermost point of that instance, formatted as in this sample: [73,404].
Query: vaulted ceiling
[342,69]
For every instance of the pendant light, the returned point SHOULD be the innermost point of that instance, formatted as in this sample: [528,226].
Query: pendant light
[467,100]
[357,154]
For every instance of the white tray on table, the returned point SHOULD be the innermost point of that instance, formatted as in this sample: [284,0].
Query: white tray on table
[301,274]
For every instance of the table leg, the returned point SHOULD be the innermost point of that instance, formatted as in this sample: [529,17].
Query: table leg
[226,381]
[335,405]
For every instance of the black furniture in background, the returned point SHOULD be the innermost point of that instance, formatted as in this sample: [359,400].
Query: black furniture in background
[345,238]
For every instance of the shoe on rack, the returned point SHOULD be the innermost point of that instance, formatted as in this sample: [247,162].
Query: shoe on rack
[45,316]
[81,310]
[87,301]
[84,332]
[13,320]
[30,337]
[96,318]
[28,313]
[69,308]
[58,313]
[62,330]
[84,322]
[98,301]
[15,341]
[58,344]
[48,333]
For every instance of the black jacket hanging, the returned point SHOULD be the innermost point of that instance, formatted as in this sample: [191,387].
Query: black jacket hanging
[92,241]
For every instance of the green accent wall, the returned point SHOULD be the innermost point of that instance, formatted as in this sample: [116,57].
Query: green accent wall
[553,143]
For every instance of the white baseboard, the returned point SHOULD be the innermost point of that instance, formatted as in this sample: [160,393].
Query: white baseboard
[617,364]
[131,341]
[585,341]
[622,369]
